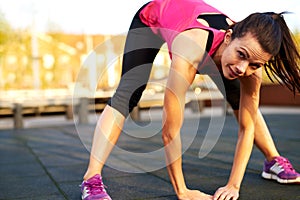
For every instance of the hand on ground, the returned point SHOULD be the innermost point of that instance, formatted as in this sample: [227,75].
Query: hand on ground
[194,195]
[228,192]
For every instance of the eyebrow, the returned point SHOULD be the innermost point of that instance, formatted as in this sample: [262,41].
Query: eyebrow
[248,56]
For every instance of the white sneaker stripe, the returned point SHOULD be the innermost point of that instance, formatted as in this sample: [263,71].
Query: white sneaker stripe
[85,193]
[276,168]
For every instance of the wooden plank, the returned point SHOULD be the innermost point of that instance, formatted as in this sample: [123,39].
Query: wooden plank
[18,101]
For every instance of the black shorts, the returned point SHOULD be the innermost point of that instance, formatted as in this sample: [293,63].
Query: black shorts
[141,48]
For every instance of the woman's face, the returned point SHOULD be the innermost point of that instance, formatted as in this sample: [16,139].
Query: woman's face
[242,56]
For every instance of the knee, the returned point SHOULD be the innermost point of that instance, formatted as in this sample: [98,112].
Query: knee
[136,97]
[169,134]
[166,138]
[124,101]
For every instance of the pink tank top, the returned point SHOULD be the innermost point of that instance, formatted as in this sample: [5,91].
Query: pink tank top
[168,18]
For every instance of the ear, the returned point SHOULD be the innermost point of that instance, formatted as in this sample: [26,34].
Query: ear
[227,38]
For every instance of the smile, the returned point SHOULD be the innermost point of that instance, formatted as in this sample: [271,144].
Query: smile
[232,73]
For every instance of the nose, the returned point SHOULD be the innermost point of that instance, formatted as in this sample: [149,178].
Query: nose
[241,68]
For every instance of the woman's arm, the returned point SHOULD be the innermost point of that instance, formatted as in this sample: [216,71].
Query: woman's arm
[249,101]
[187,51]
[174,103]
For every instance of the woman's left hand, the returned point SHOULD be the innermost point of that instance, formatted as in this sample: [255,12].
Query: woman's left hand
[228,192]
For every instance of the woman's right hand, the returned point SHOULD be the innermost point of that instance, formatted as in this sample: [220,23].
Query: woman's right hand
[227,192]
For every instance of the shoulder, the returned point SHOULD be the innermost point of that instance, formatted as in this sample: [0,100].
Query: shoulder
[190,45]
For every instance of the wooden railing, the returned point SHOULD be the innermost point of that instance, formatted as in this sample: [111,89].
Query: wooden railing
[19,102]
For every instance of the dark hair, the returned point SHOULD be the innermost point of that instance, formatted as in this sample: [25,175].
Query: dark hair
[275,38]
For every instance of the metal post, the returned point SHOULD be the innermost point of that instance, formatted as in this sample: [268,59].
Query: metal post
[83,110]
[18,116]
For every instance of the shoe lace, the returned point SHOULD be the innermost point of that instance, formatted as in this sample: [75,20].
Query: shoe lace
[286,165]
[95,187]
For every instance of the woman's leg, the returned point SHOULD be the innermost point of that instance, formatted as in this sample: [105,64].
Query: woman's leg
[262,137]
[106,134]
[141,48]
[275,166]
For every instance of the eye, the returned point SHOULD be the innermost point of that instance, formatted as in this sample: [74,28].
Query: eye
[255,66]
[241,55]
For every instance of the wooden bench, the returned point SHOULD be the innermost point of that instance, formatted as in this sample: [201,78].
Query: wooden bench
[22,102]
[194,100]
[19,101]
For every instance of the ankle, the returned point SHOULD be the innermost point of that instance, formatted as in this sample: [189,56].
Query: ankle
[89,175]
[272,157]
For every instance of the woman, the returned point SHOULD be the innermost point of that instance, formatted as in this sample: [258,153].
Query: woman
[239,51]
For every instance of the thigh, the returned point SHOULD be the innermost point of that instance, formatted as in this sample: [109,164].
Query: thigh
[141,48]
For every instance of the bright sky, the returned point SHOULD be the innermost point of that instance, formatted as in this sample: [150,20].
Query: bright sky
[114,16]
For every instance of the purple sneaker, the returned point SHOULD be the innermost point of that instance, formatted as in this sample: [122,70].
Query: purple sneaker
[93,189]
[281,170]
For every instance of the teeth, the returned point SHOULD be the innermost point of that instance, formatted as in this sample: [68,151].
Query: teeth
[233,72]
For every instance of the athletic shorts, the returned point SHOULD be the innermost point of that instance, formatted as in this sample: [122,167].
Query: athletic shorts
[141,48]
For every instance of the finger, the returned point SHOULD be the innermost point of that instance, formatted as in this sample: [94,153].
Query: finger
[228,197]
[223,196]
[235,197]
[217,194]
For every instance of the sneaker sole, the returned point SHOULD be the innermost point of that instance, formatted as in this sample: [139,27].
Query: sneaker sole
[269,176]
[102,198]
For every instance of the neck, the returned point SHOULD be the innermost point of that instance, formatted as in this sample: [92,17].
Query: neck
[218,54]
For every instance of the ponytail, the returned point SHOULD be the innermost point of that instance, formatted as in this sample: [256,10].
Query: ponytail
[285,65]
[275,38]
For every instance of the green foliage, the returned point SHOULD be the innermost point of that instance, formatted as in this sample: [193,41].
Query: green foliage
[5,29]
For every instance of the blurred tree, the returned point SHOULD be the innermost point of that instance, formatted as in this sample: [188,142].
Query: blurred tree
[5,29]
[15,71]
[53,27]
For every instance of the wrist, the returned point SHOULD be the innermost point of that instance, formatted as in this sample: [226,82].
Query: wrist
[181,193]
[234,185]
[237,187]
